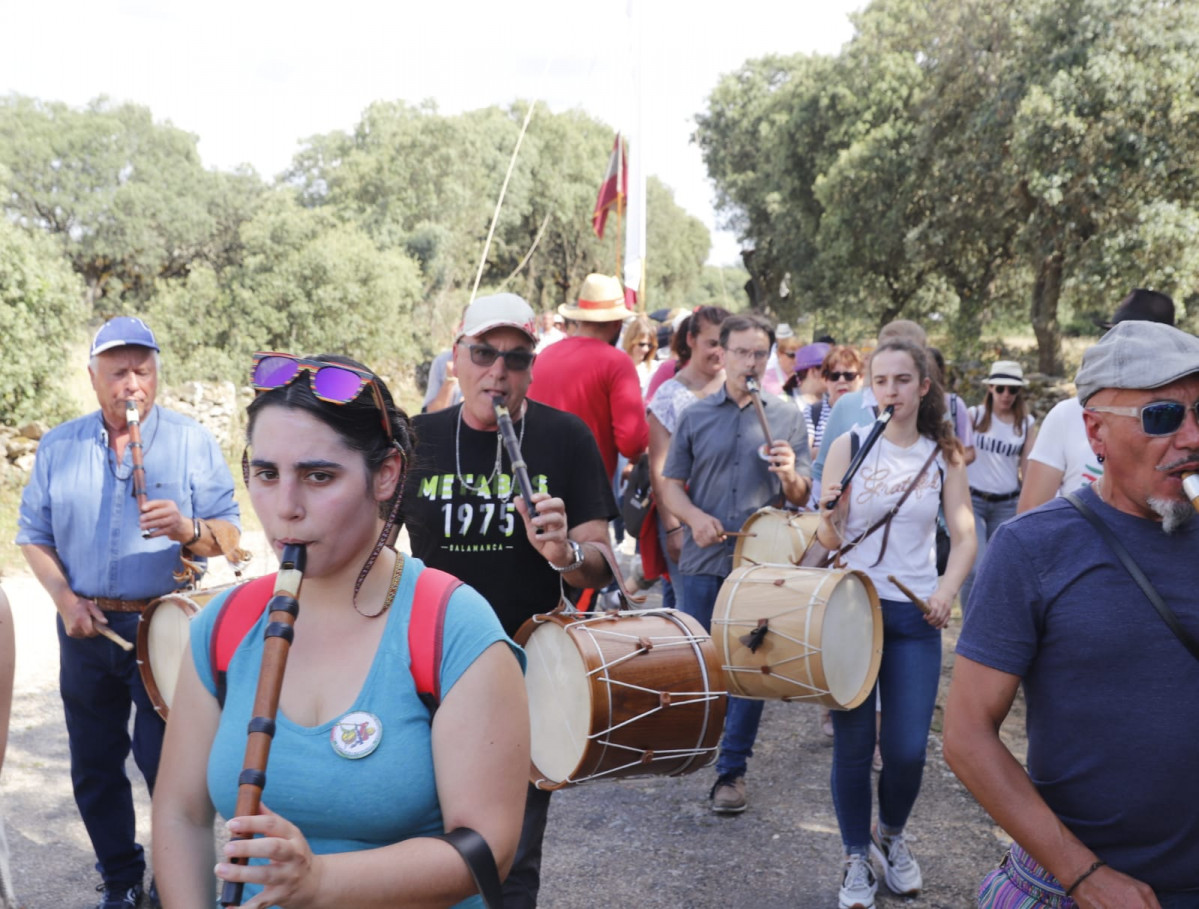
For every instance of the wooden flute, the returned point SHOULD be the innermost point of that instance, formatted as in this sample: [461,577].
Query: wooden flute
[876,432]
[755,393]
[282,610]
[134,421]
[512,444]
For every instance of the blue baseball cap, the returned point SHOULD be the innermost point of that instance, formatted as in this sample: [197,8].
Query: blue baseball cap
[122,332]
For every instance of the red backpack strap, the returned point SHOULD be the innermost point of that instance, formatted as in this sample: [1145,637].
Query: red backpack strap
[239,612]
[426,629]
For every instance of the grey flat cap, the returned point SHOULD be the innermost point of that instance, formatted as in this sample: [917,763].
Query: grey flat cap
[1137,354]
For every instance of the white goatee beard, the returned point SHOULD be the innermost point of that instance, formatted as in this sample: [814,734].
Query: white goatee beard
[1172,512]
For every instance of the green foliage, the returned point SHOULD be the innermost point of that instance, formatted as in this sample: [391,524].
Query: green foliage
[126,198]
[41,312]
[304,283]
[970,161]
[425,183]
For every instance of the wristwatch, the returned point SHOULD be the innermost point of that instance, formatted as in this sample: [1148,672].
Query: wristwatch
[579,555]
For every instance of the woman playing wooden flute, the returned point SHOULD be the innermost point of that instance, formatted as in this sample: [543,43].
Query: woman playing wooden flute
[362,777]
[916,465]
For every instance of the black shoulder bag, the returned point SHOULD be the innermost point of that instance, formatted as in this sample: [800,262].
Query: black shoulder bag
[1137,575]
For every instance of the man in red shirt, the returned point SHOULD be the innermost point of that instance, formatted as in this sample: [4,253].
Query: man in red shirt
[587,375]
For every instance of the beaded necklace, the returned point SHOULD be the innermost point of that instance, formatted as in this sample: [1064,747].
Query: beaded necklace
[486,485]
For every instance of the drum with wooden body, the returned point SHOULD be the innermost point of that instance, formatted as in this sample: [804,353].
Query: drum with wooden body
[799,634]
[774,536]
[620,694]
[162,641]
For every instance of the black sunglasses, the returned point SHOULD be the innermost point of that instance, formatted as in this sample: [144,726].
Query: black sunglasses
[515,360]
[1161,418]
[847,375]
[1006,389]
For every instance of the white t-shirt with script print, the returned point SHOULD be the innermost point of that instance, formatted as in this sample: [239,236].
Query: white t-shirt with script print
[911,545]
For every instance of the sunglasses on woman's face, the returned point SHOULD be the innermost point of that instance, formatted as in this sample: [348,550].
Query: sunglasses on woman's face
[1006,389]
[334,383]
[848,375]
[1161,418]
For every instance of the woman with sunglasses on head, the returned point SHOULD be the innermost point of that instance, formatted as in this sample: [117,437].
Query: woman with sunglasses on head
[363,778]
[1003,438]
[915,467]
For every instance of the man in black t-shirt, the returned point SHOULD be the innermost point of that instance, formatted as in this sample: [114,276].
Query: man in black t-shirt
[465,515]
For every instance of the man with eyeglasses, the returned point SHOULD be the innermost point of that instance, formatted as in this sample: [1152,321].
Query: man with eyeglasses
[1105,813]
[103,556]
[465,515]
[721,468]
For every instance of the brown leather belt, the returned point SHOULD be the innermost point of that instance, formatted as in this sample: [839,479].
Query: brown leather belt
[108,605]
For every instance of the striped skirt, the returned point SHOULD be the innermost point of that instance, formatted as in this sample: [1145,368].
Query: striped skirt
[1021,883]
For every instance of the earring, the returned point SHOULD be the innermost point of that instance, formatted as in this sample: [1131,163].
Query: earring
[1100,458]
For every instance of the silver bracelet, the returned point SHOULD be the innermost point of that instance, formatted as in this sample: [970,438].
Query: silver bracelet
[580,558]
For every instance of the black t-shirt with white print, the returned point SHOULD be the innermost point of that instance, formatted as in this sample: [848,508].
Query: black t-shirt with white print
[479,536]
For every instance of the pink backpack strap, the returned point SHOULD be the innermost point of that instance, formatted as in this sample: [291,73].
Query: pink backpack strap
[239,612]
[426,630]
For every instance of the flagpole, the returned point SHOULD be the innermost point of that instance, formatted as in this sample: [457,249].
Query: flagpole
[620,199]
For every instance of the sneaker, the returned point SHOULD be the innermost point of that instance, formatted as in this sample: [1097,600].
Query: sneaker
[728,795]
[858,885]
[152,900]
[900,870]
[119,896]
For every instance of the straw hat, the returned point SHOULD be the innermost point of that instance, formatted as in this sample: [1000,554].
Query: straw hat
[601,299]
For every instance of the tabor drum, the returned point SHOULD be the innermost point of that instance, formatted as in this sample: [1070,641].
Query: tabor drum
[162,642]
[775,536]
[620,694]
[799,634]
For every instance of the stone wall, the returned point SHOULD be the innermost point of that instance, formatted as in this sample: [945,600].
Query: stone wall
[219,406]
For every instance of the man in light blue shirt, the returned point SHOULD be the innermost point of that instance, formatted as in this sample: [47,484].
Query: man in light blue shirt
[103,555]
[721,468]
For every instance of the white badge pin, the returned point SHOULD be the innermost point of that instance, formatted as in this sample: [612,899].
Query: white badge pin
[356,734]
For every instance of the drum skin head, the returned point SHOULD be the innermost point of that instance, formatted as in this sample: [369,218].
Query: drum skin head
[163,642]
[559,702]
[818,631]
[778,537]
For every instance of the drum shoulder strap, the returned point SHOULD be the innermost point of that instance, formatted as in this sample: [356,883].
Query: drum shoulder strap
[426,629]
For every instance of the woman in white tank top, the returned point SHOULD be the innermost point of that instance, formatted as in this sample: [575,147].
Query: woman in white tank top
[1003,438]
[918,450]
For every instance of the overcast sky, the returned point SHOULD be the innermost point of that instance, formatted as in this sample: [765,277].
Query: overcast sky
[253,78]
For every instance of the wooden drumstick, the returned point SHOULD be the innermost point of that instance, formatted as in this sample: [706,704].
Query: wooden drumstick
[907,592]
[737,533]
[112,636]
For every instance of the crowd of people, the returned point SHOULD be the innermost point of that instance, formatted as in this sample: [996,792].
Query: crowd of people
[409,701]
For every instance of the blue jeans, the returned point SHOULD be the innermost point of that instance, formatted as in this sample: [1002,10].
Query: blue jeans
[1177,899]
[741,721]
[99,683]
[987,518]
[907,681]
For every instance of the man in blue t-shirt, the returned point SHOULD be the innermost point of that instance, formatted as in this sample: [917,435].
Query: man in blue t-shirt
[1106,811]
